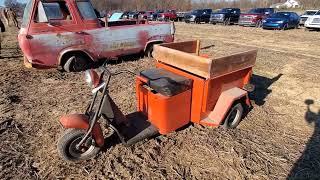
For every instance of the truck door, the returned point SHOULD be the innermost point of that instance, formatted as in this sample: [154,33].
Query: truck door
[52,29]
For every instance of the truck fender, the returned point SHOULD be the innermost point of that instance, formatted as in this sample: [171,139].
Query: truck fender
[74,49]
[81,121]
[152,42]
[225,102]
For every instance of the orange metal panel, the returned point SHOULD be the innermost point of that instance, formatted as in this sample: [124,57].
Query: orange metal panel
[197,91]
[169,113]
[224,103]
[214,87]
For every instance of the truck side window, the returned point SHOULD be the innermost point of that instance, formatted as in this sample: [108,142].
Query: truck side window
[26,14]
[86,10]
[48,11]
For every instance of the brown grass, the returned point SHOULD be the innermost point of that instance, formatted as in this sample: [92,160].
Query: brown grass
[278,136]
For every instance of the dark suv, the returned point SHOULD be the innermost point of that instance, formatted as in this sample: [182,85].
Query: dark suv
[226,16]
[198,16]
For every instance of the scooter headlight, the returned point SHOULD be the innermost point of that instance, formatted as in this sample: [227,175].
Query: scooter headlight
[92,78]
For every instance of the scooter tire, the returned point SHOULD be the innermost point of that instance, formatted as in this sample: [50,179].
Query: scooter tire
[68,151]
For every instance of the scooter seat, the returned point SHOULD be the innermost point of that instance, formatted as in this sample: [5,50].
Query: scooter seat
[165,82]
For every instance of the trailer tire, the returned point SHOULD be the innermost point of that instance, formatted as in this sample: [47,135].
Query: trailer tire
[234,116]
[68,141]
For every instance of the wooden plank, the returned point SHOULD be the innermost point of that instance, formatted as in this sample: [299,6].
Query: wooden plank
[232,63]
[191,63]
[186,46]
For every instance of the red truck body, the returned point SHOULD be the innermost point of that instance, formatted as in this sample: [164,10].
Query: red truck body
[255,16]
[168,15]
[54,30]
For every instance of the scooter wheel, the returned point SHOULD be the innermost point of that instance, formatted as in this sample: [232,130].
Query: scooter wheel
[67,146]
[234,116]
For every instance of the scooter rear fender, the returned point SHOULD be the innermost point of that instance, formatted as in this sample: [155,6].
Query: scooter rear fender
[81,121]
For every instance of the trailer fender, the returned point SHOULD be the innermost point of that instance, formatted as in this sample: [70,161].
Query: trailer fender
[225,102]
[81,121]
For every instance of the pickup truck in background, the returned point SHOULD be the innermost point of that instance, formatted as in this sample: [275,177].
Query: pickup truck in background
[255,16]
[226,16]
[313,22]
[169,15]
[304,17]
[198,16]
[67,34]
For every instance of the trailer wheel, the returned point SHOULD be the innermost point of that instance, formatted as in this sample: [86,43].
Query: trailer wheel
[67,146]
[234,116]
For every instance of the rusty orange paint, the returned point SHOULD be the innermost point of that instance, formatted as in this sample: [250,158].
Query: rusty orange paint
[80,121]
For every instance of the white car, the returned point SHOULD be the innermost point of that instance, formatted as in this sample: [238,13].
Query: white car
[306,15]
[313,22]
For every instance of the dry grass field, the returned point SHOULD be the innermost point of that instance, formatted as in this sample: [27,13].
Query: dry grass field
[278,139]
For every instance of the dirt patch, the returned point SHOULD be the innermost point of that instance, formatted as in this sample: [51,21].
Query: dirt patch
[278,139]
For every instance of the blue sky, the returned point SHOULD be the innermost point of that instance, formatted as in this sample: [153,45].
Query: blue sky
[2,1]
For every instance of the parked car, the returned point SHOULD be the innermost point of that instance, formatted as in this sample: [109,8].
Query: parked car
[136,14]
[198,16]
[255,16]
[169,15]
[226,16]
[282,20]
[155,15]
[306,15]
[313,22]
[147,14]
[180,15]
[68,34]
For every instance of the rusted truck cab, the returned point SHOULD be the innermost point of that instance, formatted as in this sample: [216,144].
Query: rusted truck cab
[68,34]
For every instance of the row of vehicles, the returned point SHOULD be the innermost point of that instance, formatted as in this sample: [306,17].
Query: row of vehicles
[266,18]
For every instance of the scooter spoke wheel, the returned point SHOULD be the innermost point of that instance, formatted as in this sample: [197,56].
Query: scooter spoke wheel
[68,142]
[234,116]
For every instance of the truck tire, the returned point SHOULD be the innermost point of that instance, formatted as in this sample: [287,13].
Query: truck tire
[259,24]
[76,62]
[197,21]
[234,116]
[67,146]
[149,50]
[226,22]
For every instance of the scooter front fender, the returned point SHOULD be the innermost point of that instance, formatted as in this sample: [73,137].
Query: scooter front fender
[81,121]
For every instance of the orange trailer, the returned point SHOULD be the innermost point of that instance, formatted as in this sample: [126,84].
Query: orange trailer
[217,87]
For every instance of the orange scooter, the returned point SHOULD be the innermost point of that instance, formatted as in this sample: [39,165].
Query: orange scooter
[184,88]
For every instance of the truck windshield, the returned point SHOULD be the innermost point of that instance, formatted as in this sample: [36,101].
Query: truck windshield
[309,13]
[257,10]
[86,10]
[225,10]
[318,13]
[280,15]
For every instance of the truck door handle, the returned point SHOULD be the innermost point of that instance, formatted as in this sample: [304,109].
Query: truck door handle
[81,33]
[29,37]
